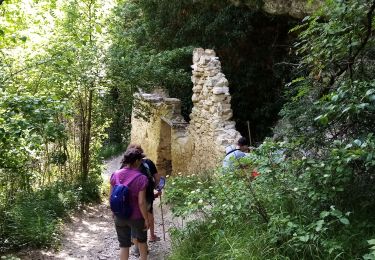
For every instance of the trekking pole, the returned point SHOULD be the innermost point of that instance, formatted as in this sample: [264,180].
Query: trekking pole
[162,217]
[160,188]
[248,129]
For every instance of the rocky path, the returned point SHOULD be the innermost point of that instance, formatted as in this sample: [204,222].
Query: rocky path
[91,235]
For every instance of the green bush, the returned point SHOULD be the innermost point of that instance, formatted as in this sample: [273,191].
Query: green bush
[110,150]
[34,219]
[298,205]
[31,224]
[214,239]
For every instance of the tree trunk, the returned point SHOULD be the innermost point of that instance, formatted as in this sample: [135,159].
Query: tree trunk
[85,138]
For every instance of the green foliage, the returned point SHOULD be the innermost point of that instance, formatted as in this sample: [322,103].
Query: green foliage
[51,127]
[110,150]
[314,197]
[27,123]
[9,257]
[34,219]
[371,255]
[221,220]
[221,197]
[153,43]
[327,44]
[306,214]
[205,240]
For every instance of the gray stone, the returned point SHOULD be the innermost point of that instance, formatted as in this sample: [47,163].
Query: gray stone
[218,98]
[211,72]
[230,126]
[214,64]
[197,53]
[223,82]
[197,88]
[227,116]
[209,52]
[220,90]
[194,98]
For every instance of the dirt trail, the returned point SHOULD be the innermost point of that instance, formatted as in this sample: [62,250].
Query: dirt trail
[91,235]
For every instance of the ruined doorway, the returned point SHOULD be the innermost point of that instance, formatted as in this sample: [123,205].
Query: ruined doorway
[164,161]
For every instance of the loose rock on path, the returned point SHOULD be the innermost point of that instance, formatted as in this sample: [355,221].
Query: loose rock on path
[91,234]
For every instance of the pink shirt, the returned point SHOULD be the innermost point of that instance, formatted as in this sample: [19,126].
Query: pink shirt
[138,184]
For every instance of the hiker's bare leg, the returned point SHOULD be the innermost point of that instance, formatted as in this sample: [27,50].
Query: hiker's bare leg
[124,253]
[142,251]
[135,242]
[152,225]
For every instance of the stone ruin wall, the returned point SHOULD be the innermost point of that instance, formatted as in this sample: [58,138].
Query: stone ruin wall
[211,128]
[163,134]
[200,145]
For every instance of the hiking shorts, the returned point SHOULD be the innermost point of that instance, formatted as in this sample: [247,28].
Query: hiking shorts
[128,228]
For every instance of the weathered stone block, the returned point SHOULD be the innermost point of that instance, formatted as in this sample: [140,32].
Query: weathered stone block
[227,116]
[197,74]
[194,98]
[197,53]
[213,64]
[197,88]
[213,110]
[208,103]
[218,98]
[231,124]
[210,52]
[211,72]
[220,90]
[223,82]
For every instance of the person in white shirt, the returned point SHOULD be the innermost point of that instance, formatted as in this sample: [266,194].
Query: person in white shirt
[233,153]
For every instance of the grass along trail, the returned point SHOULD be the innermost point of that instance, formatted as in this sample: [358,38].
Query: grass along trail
[90,233]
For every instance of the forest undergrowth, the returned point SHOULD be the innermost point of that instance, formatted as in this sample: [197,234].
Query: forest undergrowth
[314,196]
[68,72]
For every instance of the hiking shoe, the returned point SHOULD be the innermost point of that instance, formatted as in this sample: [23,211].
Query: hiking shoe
[135,251]
[154,239]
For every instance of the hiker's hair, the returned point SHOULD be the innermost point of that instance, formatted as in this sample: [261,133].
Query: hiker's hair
[135,146]
[242,141]
[131,156]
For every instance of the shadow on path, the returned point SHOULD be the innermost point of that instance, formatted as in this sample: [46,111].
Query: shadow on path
[91,234]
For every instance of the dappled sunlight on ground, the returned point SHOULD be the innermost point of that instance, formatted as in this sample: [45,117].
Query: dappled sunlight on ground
[91,234]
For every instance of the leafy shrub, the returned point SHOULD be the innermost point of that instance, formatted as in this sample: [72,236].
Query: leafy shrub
[297,204]
[34,219]
[90,190]
[213,239]
[110,150]
[225,224]
[371,255]
[31,224]
[9,257]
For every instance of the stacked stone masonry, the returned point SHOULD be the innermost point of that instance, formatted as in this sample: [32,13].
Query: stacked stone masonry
[177,146]
[294,8]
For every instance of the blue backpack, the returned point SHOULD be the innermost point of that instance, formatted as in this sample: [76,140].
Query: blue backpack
[120,197]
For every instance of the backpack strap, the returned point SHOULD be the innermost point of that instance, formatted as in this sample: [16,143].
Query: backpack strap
[132,179]
[125,182]
[232,151]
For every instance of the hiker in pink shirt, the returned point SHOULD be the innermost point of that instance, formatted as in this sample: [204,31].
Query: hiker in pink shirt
[138,223]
